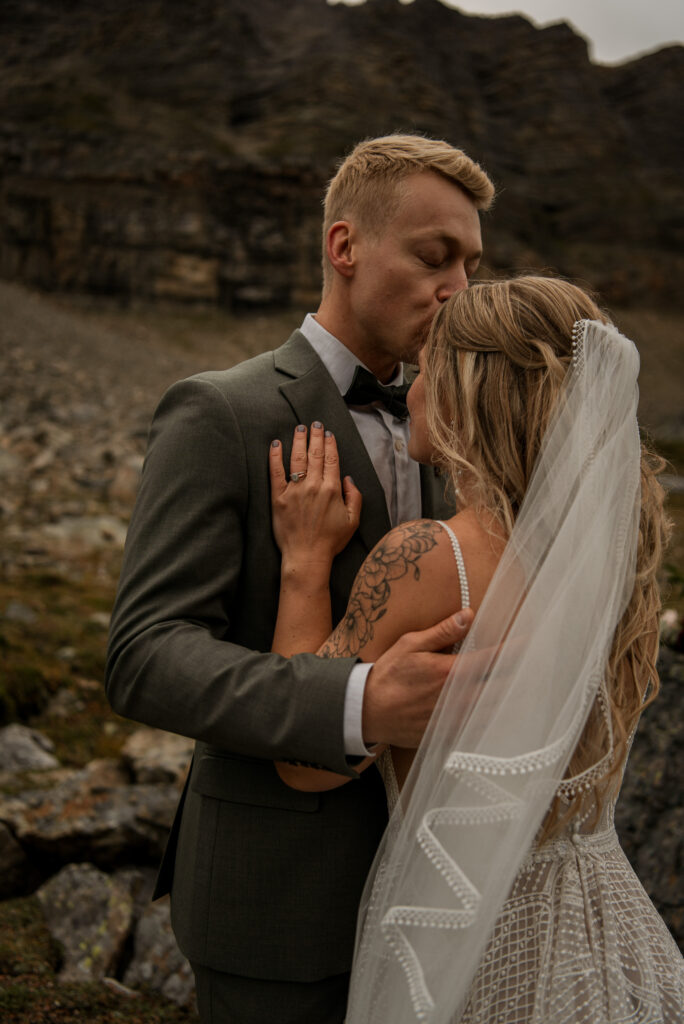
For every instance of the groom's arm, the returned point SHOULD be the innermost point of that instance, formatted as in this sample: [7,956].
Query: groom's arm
[169,662]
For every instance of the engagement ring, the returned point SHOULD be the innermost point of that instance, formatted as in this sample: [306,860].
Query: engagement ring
[296,477]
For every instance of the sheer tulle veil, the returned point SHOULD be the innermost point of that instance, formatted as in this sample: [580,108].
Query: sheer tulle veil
[483,778]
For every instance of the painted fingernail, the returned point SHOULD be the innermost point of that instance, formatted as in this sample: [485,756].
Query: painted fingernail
[328,433]
[275,444]
[317,425]
[350,479]
[301,428]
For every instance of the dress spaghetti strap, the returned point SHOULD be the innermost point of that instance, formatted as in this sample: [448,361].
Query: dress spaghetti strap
[458,555]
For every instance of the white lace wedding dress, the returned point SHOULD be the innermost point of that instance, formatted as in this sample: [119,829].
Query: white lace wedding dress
[578,940]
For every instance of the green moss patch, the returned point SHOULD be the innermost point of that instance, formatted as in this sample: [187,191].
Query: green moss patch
[31,994]
[62,647]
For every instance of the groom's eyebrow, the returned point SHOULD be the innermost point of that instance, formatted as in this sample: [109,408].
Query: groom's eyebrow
[456,242]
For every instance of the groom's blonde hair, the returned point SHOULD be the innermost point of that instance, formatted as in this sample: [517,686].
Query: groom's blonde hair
[495,362]
[366,187]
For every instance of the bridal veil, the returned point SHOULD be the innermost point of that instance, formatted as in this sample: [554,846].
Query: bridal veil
[490,765]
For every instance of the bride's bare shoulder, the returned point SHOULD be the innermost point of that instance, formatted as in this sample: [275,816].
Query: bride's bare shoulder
[425,545]
[408,582]
[414,570]
[477,532]
[482,541]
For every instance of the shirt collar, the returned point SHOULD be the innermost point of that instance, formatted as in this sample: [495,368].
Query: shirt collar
[335,356]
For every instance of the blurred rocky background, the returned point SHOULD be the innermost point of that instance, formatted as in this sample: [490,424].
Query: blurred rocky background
[161,169]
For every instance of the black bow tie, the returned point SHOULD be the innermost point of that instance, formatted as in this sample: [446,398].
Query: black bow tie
[365,389]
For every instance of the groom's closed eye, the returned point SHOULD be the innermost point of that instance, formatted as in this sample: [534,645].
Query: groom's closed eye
[433,257]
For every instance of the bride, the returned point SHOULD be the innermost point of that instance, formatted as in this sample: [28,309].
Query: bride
[500,892]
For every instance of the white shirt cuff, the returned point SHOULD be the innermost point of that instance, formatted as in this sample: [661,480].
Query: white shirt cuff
[353,708]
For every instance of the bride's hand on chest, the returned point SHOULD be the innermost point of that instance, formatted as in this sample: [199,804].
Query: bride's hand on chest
[314,513]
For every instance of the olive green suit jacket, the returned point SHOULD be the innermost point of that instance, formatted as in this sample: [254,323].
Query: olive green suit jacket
[265,880]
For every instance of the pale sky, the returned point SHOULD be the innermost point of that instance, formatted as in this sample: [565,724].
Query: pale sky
[615,29]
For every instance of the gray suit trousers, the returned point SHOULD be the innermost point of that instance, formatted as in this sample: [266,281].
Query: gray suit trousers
[231,999]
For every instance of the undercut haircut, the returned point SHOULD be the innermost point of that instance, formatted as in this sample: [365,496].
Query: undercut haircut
[366,187]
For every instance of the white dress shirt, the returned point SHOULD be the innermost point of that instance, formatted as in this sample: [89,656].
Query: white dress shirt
[386,440]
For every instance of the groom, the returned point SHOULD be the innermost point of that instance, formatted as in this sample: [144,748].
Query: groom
[265,880]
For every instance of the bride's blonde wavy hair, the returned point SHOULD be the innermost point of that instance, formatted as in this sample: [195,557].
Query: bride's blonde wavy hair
[495,363]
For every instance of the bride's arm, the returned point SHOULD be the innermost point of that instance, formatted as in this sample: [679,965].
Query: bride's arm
[405,584]
[314,518]
[313,522]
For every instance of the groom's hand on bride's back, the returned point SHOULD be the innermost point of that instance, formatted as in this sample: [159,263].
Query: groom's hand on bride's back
[405,682]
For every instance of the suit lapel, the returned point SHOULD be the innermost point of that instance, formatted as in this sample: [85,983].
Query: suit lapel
[312,395]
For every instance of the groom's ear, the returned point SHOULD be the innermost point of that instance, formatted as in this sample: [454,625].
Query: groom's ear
[340,248]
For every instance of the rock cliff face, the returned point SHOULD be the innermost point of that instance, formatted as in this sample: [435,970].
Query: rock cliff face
[179,150]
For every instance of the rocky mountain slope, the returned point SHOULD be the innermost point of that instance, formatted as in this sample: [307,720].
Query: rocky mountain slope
[179,150]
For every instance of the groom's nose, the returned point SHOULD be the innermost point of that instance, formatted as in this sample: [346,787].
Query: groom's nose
[455,280]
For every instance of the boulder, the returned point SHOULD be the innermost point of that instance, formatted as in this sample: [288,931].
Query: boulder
[157,962]
[64,704]
[84,533]
[90,915]
[154,756]
[23,749]
[649,816]
[15,611]
[93,815]
[108,931]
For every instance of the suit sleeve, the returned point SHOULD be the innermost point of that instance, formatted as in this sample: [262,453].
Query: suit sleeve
[169,663]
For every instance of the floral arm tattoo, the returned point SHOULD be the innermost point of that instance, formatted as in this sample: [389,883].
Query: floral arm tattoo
[395,556]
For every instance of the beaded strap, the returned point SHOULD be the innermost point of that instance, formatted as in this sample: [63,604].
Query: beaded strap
[460,564]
